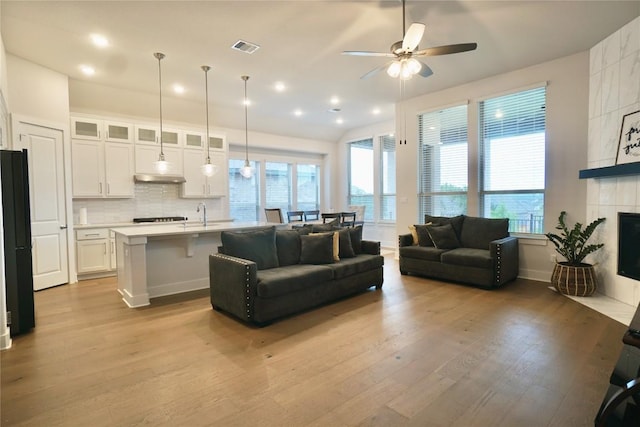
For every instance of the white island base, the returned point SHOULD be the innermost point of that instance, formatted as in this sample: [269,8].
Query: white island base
[155,261]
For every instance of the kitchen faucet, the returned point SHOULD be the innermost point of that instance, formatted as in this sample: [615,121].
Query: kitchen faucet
[204,213]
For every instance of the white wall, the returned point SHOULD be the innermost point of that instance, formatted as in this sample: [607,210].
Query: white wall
[567,117]
[614,91]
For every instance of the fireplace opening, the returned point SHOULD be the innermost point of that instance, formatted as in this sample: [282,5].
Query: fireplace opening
[629,245]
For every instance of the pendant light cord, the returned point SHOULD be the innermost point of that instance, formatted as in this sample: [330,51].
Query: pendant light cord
[246,121]
[160,56]
[206,68]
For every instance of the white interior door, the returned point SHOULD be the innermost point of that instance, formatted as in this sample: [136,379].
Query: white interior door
[47,196]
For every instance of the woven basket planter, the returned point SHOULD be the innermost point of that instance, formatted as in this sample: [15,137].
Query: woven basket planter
[578,281]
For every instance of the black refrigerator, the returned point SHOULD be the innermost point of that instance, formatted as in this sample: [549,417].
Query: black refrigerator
[17,241]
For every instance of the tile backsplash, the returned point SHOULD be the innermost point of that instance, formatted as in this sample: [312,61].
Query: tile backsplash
[151,200]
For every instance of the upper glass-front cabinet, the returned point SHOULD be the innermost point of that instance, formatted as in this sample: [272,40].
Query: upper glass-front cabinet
[118,132]
[86,129]
[193,139]
[216,143]
[146,134]
[99,130]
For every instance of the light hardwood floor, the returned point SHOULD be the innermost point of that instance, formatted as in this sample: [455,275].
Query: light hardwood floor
[417,353]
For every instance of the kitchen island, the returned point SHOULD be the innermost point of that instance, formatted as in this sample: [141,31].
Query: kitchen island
[161,260]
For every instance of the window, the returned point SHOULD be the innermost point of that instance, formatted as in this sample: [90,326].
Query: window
[512,166]
[273,185]
[244,194]
[278,186]
[443,162]
[388,178]
[308,187]
[361,180]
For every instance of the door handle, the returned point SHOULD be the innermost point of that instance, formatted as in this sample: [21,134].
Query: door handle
[63,227]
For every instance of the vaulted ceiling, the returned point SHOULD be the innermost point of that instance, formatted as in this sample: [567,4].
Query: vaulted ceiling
[300,45]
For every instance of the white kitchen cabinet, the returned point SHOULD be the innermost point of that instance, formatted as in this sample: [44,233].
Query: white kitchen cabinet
[146,134]
[92,251]
[88,168]
[147,155]
[118,175]
[194,140]
[199,186]
[118,132]
[102,169]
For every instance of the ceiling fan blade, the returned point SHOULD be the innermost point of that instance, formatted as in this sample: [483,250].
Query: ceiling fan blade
[375,71]
[413,37]
[425,71]
[367,53]
[446,50]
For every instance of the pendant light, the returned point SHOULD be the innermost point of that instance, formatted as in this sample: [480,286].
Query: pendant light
[207,169]
[161,166]
[246,171]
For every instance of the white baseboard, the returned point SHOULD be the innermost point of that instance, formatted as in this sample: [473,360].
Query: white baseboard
[178,287]
[537,275]
[5,341]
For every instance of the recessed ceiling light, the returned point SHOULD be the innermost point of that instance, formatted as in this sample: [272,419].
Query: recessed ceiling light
[279,86]
[297,113]
[334,100]
[99,40]
[179,89]
[87,70]
[375,111]
[339,120]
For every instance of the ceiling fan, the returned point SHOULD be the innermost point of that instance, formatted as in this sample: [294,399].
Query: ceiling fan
[404,64]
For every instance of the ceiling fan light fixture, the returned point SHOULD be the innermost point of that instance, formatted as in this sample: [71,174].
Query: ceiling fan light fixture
[394,69]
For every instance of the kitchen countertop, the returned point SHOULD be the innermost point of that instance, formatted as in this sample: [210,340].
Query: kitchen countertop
[146,224]
[173,229]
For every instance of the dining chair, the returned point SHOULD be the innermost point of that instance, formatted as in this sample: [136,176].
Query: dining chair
[359,210]
[330,216]
[295,216]
[311,215]
[348,219]
[273,215]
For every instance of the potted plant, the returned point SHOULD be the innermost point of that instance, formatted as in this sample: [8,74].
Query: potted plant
[574,276]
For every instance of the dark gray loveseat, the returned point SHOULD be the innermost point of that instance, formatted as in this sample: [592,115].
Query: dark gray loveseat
[478,251]
[262,275]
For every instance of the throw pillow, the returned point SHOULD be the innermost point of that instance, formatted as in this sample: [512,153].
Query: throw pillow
[316,248]
[288,243]
[346,248]
[336,244]
[420,235]
[414,234]
[329,226]
[443,236]
[455,221]
[355,233]
[258,246]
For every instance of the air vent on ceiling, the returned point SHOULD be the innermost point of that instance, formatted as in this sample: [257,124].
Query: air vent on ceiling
[245,47]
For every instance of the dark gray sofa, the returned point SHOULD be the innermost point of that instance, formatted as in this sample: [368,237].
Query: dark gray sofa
[266,274]
[477,251]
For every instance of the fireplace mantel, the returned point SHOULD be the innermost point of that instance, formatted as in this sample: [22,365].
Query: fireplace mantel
[611,171]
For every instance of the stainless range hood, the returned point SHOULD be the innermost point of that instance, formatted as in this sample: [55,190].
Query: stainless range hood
[159,178]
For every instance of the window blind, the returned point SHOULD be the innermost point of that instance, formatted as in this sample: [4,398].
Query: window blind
[388,178]
[512,158]
[361,178]
[443,161]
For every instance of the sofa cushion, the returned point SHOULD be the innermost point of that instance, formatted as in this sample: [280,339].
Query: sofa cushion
[292,278]
[316,248]
[355,234]
[455,221]
[346,249]
[479,232]
[427,253]
[443,236]
[329,226]
[468,257]
[289,246]
[258,246]
[361,263]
